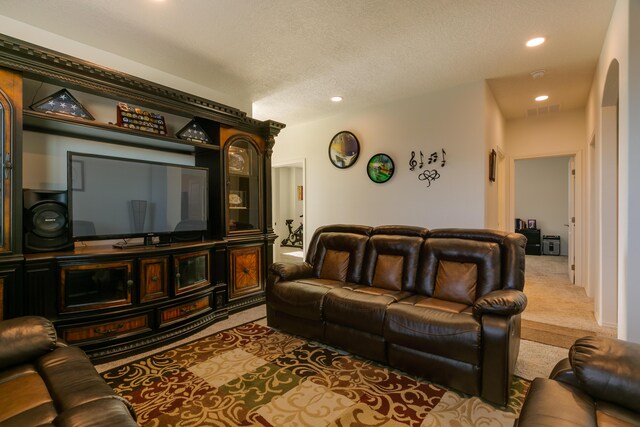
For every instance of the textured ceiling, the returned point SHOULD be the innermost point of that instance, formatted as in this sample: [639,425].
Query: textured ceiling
[291,56]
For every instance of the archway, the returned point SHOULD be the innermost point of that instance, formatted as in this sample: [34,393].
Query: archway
[607,297]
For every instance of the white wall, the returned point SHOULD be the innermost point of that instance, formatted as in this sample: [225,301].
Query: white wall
[494,139]
[541,193]
[452,120]
[552,134]
[622,44]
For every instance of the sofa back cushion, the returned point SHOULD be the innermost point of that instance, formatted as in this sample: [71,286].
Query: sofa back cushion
[391,262]
[339,256]
[388,272]
[512,247]
[335,265]
[447,269]
[456,281]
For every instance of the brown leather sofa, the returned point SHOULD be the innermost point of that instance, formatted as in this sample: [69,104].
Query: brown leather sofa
[443,304]
[46,383]
[597,385]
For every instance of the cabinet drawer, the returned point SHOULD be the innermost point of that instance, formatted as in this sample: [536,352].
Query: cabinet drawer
[182,311]
[106,330]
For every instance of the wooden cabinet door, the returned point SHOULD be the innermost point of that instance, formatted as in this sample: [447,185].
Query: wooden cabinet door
[153,279]
[245,271]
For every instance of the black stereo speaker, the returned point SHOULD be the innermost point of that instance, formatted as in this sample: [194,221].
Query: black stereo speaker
[46,221]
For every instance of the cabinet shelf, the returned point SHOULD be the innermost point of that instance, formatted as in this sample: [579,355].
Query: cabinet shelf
[95,131]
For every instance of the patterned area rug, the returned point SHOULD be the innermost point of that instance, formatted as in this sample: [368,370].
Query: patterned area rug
[253,375]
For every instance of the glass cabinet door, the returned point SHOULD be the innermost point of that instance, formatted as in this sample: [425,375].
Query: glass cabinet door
[192,271]
[244,186]
[95,286]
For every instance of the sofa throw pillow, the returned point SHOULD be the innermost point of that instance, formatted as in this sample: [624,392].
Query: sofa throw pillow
[456,281]
[335,265]
[388,272]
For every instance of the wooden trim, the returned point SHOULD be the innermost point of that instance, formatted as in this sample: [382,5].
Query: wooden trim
[10,120]
[55,67]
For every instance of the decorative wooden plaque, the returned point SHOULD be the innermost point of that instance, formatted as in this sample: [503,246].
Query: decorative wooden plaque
[138,119]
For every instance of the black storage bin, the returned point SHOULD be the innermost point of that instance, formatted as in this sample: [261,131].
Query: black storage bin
[534,243]
[551,245]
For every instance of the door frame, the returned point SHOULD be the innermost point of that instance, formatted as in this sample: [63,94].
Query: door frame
[579,200]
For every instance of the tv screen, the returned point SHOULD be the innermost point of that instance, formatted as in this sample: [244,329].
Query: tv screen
[112,197]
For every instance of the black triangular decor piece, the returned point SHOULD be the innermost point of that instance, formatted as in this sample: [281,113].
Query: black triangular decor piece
[194,132]
[62,102]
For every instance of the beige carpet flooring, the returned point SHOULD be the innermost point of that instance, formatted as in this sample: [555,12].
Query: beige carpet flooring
[558,312]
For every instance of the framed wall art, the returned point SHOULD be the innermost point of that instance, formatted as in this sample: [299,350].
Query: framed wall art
[344,149]
[492,166]
[380,168]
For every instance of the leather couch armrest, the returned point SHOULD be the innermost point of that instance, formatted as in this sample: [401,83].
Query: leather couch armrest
[607,369]
[291,270]
[24,339]
[106,412]
[504,302]
[564,373]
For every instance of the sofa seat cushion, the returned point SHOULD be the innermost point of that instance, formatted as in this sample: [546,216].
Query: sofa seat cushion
[25,400]
[360,307]
[302,298]
[433,326]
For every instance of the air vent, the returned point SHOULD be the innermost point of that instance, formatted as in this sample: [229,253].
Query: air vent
[542,111]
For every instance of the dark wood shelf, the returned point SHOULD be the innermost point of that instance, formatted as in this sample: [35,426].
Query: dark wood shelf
[96,131]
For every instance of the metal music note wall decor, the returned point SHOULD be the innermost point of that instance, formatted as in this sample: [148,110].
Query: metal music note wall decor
[431,173]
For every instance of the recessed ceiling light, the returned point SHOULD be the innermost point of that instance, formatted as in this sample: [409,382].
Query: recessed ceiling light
[542,98]
[535,42]
[336,98]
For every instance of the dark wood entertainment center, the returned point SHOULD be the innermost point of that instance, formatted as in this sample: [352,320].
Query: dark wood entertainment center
[110,301]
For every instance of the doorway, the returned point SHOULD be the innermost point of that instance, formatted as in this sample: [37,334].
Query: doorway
[288,192]
[544,194]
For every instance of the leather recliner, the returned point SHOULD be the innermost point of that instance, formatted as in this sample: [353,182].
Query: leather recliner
[43,382]
[444,304]
[597,385]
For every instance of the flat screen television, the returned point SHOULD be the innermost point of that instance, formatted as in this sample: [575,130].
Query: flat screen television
[111,198]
